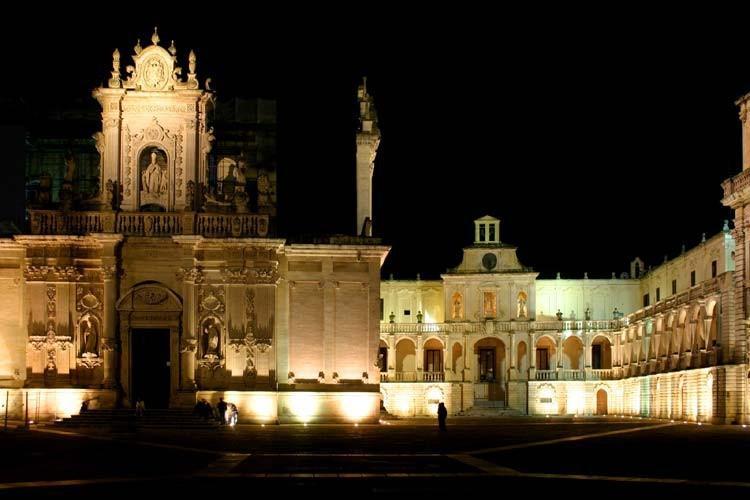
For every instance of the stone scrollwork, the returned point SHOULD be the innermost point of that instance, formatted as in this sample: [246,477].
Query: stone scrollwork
[239,275]
[89,360]
[193,274]
[52,273]
[211,299]
[188,345]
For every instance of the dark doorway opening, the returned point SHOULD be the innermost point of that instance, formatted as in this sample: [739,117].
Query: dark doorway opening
[150,367]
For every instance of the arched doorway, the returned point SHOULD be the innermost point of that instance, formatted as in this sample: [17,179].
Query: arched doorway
[490,374]
[150,337]
[601,402]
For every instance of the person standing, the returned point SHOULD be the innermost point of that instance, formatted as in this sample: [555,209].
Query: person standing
[222,407]
[442,416]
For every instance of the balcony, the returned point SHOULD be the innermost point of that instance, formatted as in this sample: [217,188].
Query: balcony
[208,225]
[499,326]
[417,376]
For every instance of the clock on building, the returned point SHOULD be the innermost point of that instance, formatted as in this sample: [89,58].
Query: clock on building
[489,261]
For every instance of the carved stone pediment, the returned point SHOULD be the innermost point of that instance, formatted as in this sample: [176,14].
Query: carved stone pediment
[150,297]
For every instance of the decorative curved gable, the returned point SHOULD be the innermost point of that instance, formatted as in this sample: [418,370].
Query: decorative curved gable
[150,297]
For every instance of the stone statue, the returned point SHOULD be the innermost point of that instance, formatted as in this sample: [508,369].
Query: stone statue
[152,176]
[587,314]
[559,315]
[458,308]
[521,313]
[190,195]
[210,337]
[89,336]
[208,139]
[109,189]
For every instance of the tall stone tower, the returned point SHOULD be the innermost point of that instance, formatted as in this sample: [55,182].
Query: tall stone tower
[737,197]
[368,139]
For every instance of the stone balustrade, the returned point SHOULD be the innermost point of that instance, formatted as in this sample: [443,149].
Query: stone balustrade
[149,223]
[500,326]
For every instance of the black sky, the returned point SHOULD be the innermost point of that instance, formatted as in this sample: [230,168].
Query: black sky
[594,136]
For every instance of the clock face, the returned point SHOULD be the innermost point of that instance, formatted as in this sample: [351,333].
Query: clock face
[489,261]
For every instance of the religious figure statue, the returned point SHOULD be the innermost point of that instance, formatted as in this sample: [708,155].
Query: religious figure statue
[152,176]
[458,308]
[587,314]
[109,193]
[521,313]
[210,337]
[89,336]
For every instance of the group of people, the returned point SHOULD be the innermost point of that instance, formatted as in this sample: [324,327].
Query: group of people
[225,413]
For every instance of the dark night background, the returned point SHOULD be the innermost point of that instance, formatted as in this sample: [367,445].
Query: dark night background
[593,140]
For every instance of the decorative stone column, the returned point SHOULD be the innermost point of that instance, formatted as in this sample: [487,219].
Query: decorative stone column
[109,343]
[109,275]
[188,347]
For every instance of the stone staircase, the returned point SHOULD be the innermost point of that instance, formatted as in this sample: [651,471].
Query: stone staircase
[486,408]
[173,418]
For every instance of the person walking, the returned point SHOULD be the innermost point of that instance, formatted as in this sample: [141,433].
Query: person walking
[442,416]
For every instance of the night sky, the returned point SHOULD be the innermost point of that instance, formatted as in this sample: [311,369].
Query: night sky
[594,142]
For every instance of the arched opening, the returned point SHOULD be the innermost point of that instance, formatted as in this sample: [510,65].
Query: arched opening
[601,354]
[601,402]
[490,353]
[522,361]
[545,354]
[573,353]
[406,359]
[383,356]
[433,356]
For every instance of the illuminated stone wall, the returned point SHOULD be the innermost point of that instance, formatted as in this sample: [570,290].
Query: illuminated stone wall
[421,400]
[400,296]
[573,297]
[12,319]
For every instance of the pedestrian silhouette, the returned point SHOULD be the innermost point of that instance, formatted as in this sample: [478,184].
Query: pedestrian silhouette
[442,415]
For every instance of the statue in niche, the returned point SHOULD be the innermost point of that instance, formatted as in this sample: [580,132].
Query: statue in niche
[522,312]
[89,332]
[457,311]
[152,176]
[210,337]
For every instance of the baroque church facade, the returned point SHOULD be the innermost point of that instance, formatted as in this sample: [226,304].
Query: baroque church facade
[168,285]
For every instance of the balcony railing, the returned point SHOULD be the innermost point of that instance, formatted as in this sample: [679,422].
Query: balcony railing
[602,374]
[433,376]
[500,326]
[546,375]
[149,223]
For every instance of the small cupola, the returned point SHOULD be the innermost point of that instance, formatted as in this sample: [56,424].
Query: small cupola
[487,231]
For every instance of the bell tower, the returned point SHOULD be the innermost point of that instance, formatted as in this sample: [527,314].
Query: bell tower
[368,139]
[155,135]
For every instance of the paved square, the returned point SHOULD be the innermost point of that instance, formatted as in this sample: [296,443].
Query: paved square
[625,456]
